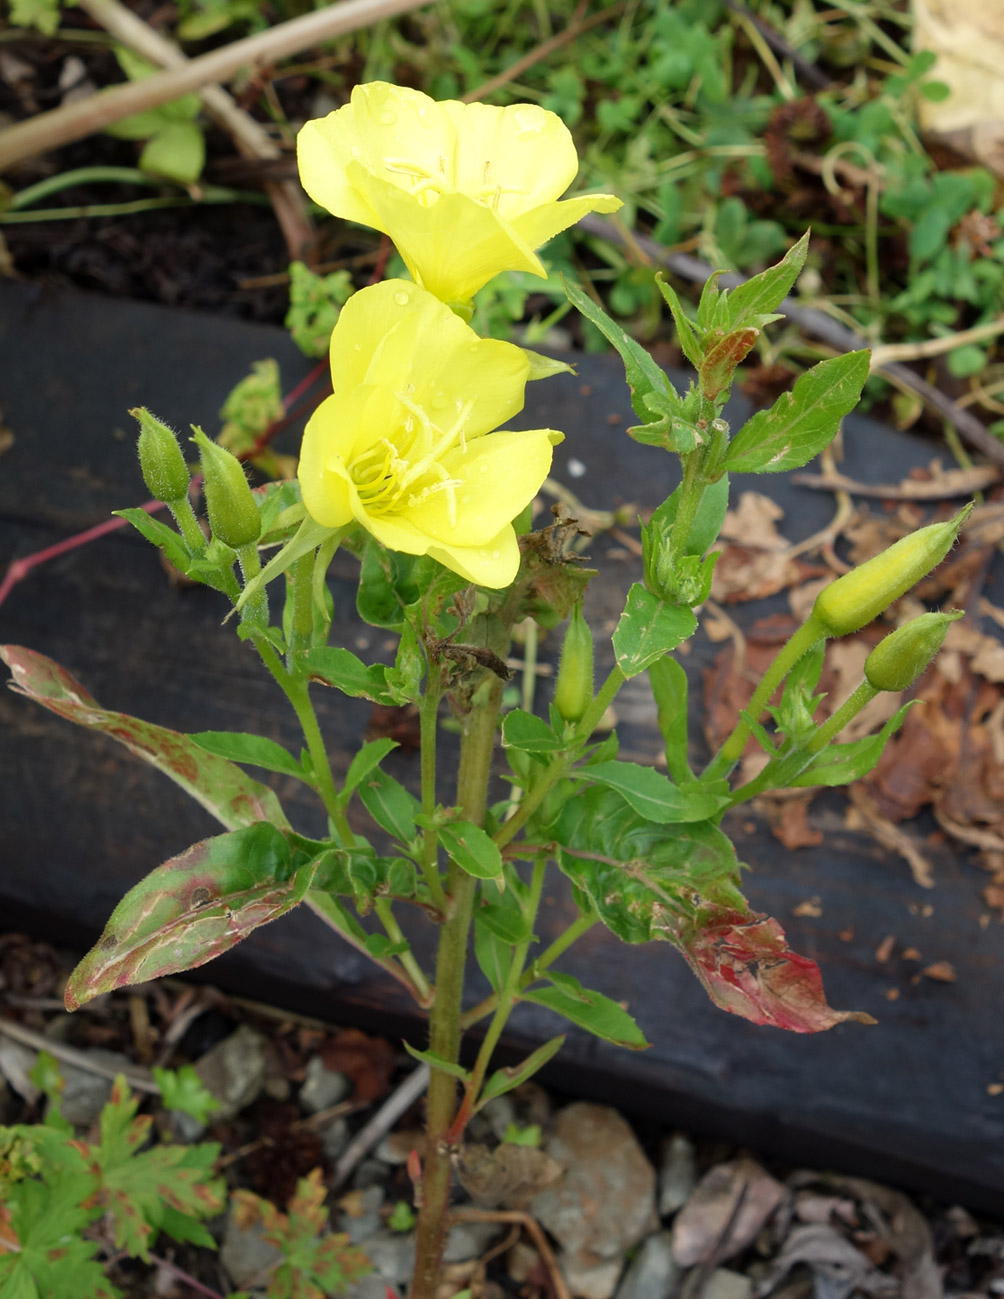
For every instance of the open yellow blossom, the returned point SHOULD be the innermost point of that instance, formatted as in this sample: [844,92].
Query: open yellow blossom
[404,443]
[464,190]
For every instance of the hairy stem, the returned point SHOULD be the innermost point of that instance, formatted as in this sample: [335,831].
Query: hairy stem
[476,748]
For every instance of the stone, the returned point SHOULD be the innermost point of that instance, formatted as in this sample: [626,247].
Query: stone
[653,1273]
[234,1071]
[85,1094]
[605,1201]
[322,1087]
[371,1286]
[392,1256]
[729,1206]
[677,1174]
[335,1136]
[246,1256]
[396,1147]
[725,1284]
[361,1216]
[469,1240]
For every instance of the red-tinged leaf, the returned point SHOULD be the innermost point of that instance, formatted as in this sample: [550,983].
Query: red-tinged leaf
[219,785]
[744,961]
[719,365]
[194,907]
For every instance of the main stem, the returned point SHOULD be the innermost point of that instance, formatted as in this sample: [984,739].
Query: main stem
[476,748]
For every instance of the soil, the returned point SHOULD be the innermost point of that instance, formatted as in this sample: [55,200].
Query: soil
[739,1224]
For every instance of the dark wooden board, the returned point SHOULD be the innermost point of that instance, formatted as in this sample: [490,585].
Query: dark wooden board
[907,1100]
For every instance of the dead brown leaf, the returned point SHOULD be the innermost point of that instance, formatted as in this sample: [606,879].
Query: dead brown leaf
[368,1061]
[726,1211]
[507,1176]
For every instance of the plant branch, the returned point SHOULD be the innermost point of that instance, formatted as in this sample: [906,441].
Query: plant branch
[74,121]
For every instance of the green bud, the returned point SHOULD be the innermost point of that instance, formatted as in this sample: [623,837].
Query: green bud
[852,601]
[896,662]
[574,690]
[160,459]
[523,522]
[230,504]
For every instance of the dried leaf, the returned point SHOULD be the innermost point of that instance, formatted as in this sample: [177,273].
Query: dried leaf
[725,1213]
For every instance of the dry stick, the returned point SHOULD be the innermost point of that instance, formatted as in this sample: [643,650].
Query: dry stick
[807,71]
[817,325]
[138,1079]
[74,121]
[523,1219]
[542,51]
[380,1124]
[956,482]
[250,136]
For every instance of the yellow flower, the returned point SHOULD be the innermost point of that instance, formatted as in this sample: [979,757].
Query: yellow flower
[464,190]
[403,444]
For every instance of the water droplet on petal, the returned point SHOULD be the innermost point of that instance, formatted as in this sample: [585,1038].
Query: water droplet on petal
[496,554]
[356,151]
[387,117]
[401,298]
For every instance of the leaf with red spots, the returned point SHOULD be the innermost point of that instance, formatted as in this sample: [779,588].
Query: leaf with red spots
[744,962]
[194,907]
[219,785]
[679,884]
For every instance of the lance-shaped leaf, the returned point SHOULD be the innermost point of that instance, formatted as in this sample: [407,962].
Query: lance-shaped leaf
[801,422]
[681,887]
[221,787]
[746,966]
[647,629]
[194,907]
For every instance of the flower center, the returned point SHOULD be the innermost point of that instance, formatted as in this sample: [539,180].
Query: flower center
[397,473]
[428,186]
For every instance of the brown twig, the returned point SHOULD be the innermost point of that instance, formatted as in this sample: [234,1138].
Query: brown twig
[955,482]
[542,51]
[536,1232]
[807,71]
[380,1124]
[138,1079]
[817,325]
[75,121]
[250,136]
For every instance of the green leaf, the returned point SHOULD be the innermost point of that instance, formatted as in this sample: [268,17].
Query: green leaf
[160,535]
[544,367]
[842,763]
[493,954]
[644,883]
[503,916]
[590,1010]
[504,1080]
[369,756]
[194,907]
[474,851]
[182,1089]
[647,629]
[177,151]
[801,422]
[435,1061]
[221,787]
[390,805]
[687,338]
[255,750]
[348,673]
[708,521]
[55,1261]
[669,685]
[761,295]
[651,794]
[41,14]
[527,731]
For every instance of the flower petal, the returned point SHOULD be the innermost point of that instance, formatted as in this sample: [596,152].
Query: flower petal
[496,477]
[514,158]
[397,336]
[452,246]
[543,223]
[494,564]
[324,483]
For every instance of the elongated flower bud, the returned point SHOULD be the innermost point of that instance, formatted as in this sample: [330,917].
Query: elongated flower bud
[852,601]
[230,503]
[574,690]
[160,459]
[896,662]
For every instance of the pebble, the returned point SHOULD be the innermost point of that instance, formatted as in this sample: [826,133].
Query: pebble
[364,1218]
[392,1256]
[605,1201]
[85,1094]
[725,1284]
[677,1174]
[246,1255]
[234,1071]
[322,1087]
[653,1272]
[470,1240]
[335,1136]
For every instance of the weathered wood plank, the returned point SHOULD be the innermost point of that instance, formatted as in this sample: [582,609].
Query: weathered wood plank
[907,1100]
